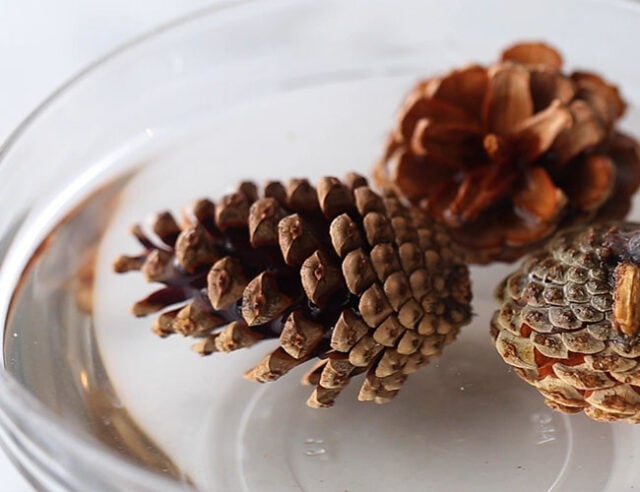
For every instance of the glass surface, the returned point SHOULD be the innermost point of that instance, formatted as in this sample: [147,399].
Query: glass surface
[270,89]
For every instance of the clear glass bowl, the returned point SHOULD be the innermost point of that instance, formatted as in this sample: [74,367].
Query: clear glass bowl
[90,400]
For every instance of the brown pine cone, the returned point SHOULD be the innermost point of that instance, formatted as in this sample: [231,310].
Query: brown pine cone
[507,154]
[570,321]
[338,273]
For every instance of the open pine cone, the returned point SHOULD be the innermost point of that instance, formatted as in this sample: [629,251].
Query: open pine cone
[570,321]
[336,273]
[505,155]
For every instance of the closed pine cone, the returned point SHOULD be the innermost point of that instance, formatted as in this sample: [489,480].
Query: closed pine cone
[570,321]
[507,154]
[339,274]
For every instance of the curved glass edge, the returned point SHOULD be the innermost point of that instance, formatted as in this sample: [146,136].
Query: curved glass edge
[101,62]
[31,431]
[27,432]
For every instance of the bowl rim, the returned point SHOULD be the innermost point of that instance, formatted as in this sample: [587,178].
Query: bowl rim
[17,404]
[98,63]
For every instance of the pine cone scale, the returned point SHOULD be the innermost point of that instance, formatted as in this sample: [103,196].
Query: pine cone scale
[465,88]
[508,101]
[535,135]
[547,85]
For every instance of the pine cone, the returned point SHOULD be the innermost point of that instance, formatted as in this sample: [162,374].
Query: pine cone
[339,274]
[570,321]
[507,154]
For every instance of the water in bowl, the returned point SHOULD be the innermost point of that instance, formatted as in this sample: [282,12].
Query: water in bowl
[464,423]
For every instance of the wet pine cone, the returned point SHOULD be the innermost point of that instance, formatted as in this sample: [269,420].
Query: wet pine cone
[339,274]
[506,155]
[570,321]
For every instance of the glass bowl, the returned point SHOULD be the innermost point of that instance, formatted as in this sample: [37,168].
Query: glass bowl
[91,400]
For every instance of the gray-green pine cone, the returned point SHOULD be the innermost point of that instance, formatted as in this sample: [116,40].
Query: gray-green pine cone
[337,273]
[570,322]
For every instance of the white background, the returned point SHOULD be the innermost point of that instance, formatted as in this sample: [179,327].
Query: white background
[42,44]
